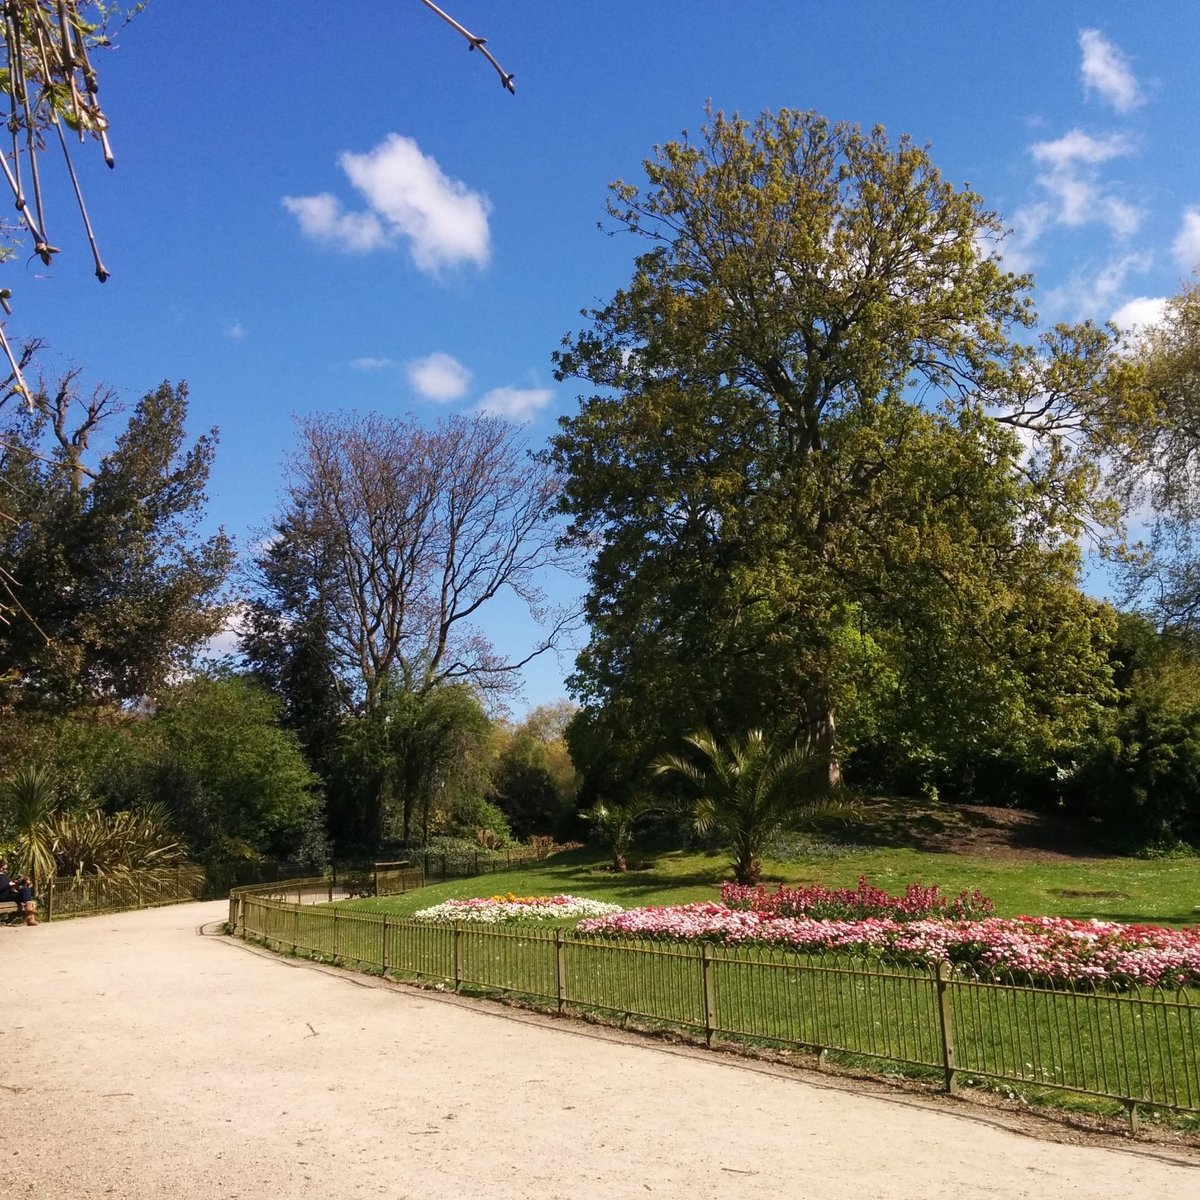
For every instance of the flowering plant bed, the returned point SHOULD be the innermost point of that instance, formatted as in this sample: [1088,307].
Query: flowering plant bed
[856,904]
[1028,949]
[509,909]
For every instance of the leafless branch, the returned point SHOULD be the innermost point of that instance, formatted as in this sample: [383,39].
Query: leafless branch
[475,43]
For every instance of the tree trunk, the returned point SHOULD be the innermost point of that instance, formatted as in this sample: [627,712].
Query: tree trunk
[822,737]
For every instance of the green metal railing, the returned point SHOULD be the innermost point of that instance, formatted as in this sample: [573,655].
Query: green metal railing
[86,895]
[1137,1047]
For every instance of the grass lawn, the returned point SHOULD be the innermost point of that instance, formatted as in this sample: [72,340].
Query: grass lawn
[1033,1041]
[1155,891]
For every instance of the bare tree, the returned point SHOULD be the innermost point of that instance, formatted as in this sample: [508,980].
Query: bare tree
[419,529]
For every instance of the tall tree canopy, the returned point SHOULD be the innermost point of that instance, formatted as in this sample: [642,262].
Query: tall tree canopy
[113,587]
[826,469]
[1162,471]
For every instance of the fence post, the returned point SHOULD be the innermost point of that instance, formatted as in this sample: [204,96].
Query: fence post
[560,969]
[50,900]
[710,995]
[947,1029]
[296,928]
[330,889]
[384,955]
[335,934]
[139,891]
[458,957]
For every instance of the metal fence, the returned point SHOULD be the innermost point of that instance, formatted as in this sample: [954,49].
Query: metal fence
[1137,1047]
[88,895]
[456,864]
[79,896]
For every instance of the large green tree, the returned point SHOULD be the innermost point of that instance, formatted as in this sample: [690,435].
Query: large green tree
[236,784]
[1162,470]
[112,586]
[414,755]
[828,470]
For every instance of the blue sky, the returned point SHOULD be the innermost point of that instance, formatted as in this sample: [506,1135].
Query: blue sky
[336,206]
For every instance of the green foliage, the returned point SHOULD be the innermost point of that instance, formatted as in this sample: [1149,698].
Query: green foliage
[800,469]
[117,846]
[28,801]
[533,778]
[615,821]
[415,763]
[746,791]
[286,640]
[112,588]
[1141,780]
[1162,471]
[234,781]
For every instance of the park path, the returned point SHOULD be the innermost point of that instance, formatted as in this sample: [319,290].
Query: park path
[143,1061]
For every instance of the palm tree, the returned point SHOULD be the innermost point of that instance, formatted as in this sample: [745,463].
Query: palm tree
[747,790]
[31,798]
[614,823]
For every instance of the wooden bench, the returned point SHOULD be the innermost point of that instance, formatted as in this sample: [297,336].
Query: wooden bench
[10,911]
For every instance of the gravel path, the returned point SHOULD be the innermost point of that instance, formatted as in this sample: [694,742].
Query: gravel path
[145,1061]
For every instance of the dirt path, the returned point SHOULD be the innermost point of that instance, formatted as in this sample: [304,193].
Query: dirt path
[149,1062]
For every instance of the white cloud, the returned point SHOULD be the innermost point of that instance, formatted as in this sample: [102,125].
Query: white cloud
[439,377]
[367,363]
[515,404]
[1105,70]
[409,198]
[1071,178]
[1140,313]
[1088,294]
[1186,246]
[322,219]
[1079,147]
[1016,251]
[235,331]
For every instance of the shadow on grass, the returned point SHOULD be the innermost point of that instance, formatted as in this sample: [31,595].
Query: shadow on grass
[582,872]
[888,822]
[1125,918]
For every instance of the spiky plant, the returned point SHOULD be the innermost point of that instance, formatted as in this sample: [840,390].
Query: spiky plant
[117,847]
[747,790]
[614,822]
[30,797]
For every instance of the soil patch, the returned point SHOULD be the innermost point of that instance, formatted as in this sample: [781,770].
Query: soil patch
[980,830]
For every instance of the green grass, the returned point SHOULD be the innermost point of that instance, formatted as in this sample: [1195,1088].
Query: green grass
[1157,891]
[1036,1041]
[1025,1042]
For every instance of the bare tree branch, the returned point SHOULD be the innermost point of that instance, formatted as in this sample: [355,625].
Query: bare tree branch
[475,43]
[423,529]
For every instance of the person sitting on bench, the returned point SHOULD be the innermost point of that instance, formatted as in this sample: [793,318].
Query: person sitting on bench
[20,891]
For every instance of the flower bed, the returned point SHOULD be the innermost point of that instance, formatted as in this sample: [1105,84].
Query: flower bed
[1031,949]
[508,909]
[858,904]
